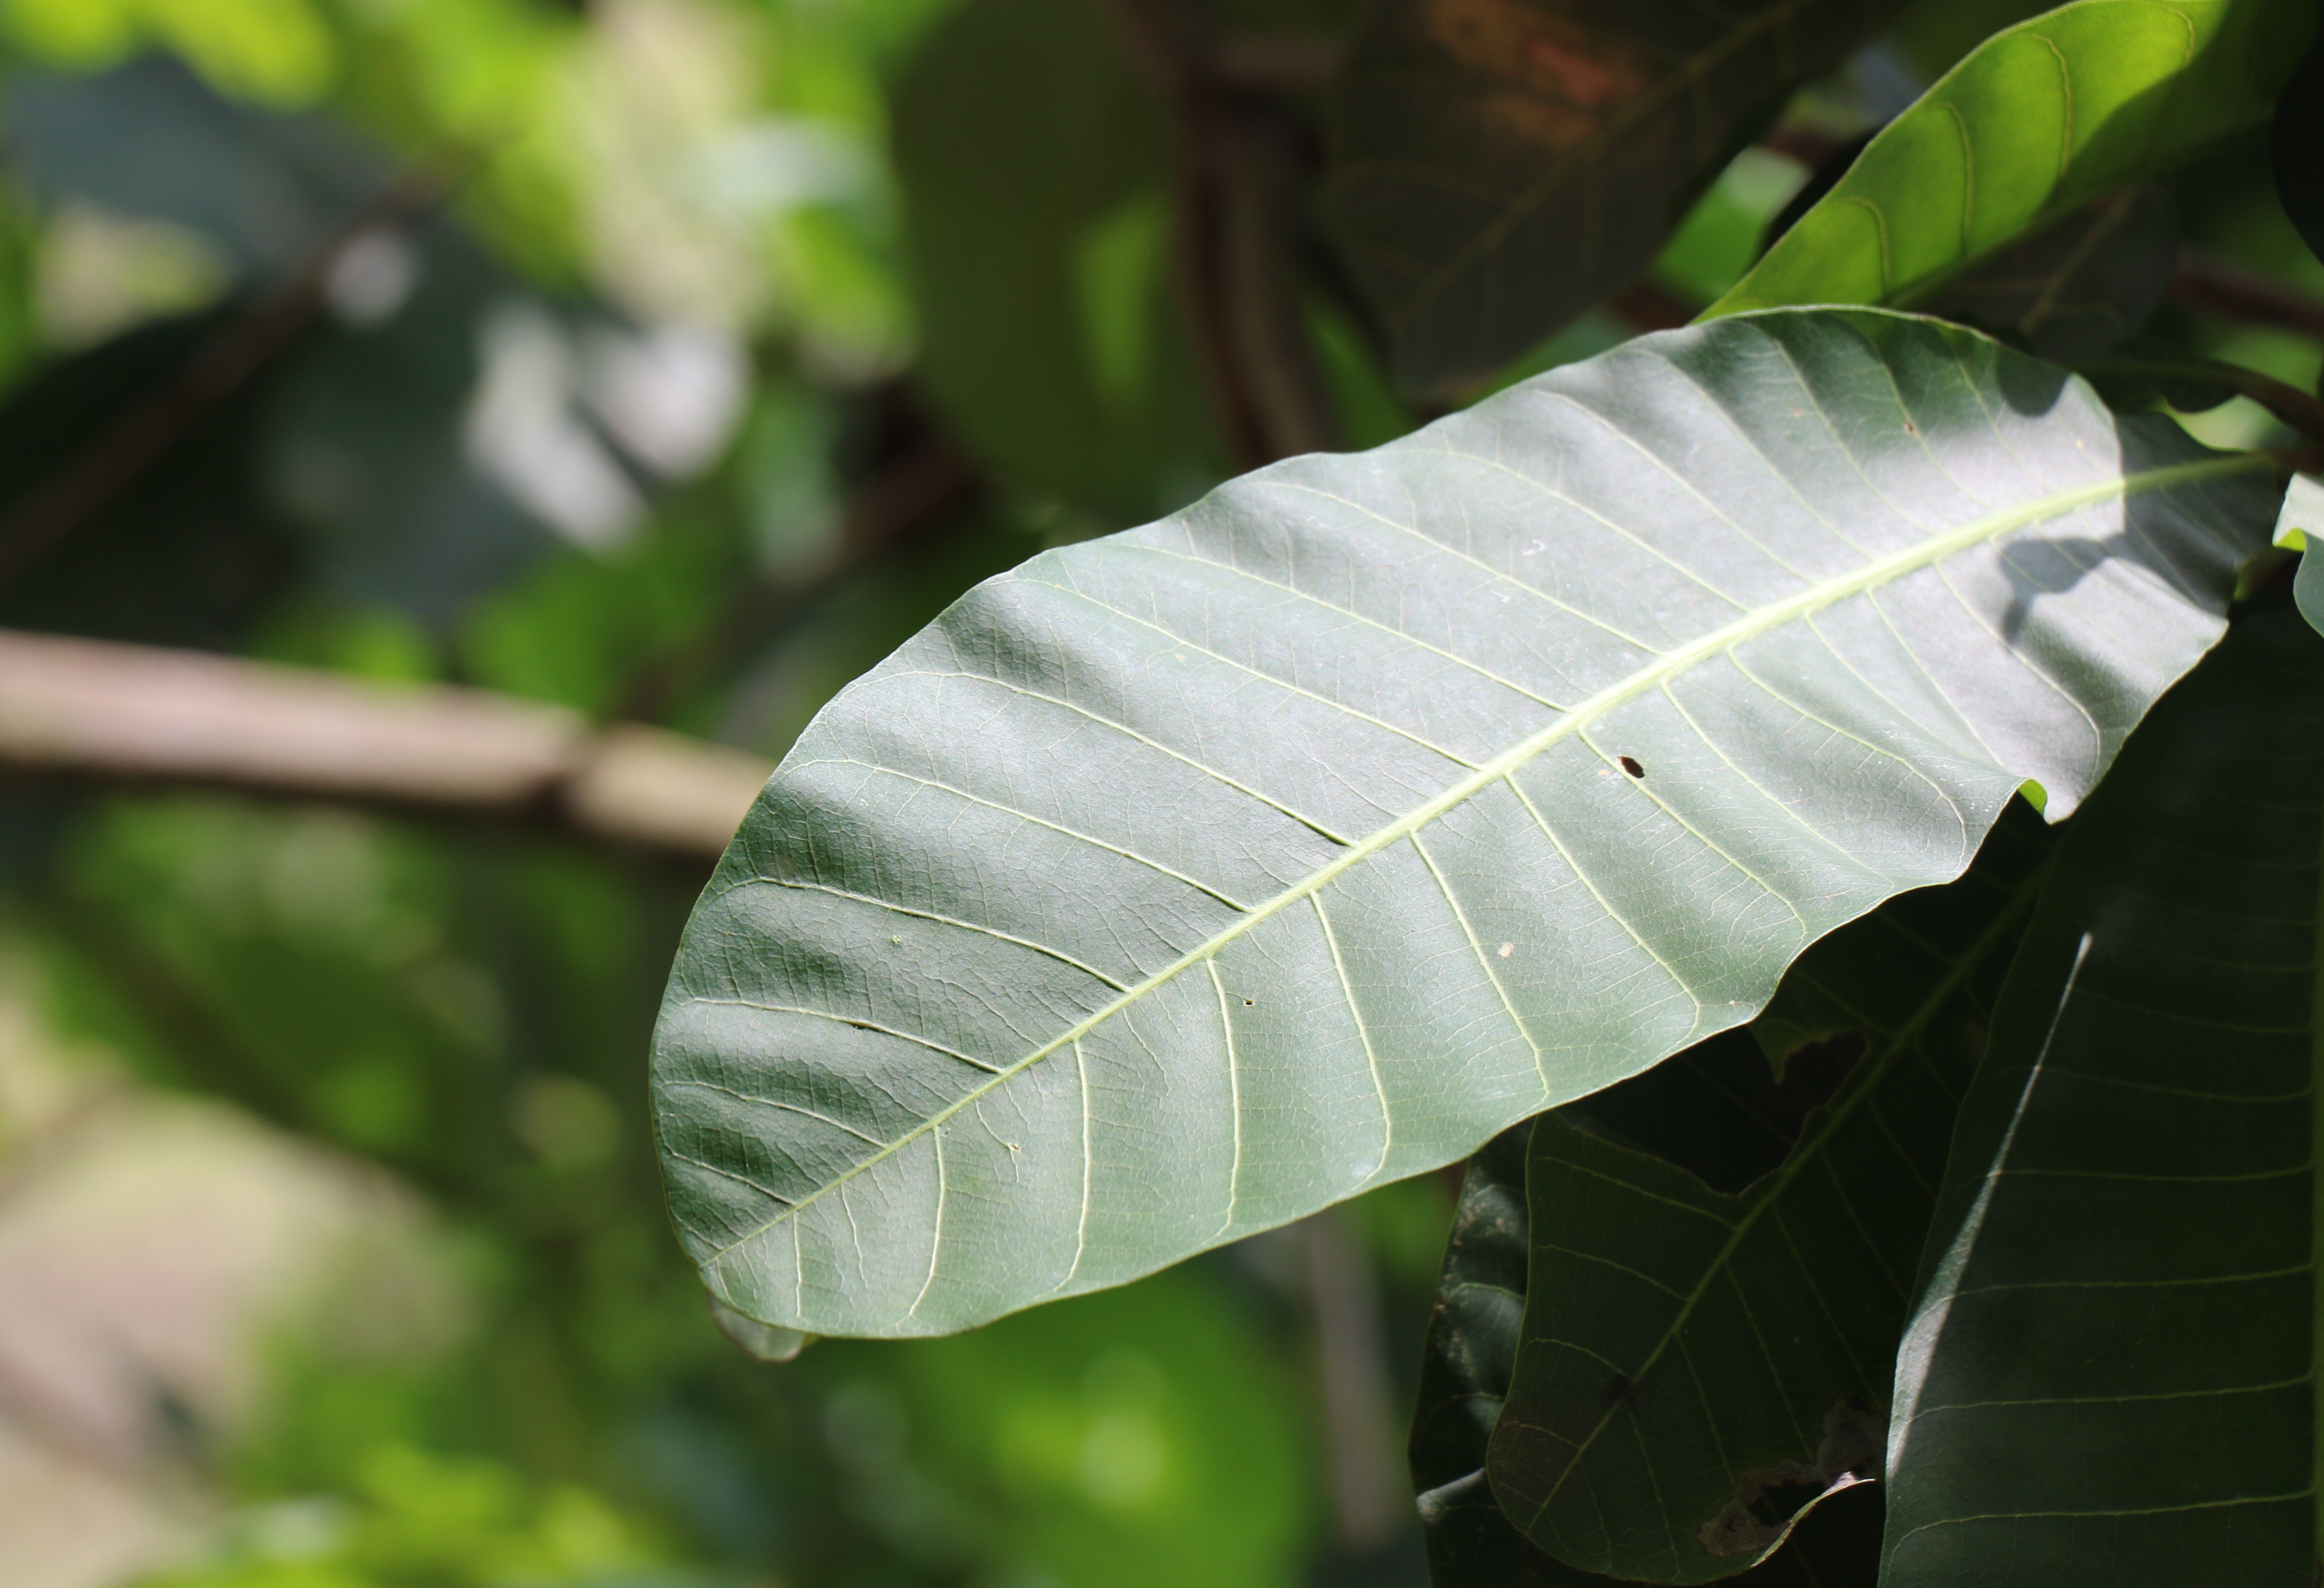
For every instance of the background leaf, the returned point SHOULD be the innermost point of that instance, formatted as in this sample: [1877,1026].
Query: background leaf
[1472,1343]
[2041,120]
[2086,283]
[1183,882]
[1501,166]
[2108,1375]
[1712,1320]
[1036,166]
[2296,148]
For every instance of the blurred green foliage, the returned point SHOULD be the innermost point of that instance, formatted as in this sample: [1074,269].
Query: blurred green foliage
[860,230]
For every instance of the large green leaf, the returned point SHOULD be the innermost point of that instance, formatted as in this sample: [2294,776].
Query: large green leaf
[2108,1378]
[1473,1344]
[1182,882]
[2042,119]
[1709,1333]
[1501,165]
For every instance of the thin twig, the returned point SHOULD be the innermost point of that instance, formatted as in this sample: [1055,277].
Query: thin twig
[1370,1494]
[2302,411]
[2204,280]
[217,366]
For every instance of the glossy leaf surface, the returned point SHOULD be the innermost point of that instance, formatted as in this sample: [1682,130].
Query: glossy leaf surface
[2108,1377]
[1184,882]
[1501,166]
[1711,1327]
[2039,121]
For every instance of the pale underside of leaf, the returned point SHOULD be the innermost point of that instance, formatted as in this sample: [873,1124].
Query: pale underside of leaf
[1186,881]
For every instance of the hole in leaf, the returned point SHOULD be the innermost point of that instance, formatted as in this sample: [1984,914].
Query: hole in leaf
[1629,763]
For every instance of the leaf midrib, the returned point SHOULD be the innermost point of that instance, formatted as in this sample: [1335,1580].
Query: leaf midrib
[1810,600]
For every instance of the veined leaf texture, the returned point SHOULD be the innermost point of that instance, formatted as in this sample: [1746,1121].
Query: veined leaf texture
[1499,167]
[2038,121]
[1184,882]
[2109,1373]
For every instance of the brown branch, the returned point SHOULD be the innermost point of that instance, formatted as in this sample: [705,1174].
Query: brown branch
[2296,407]
[1370,1495]
[217,366]
[1276,64]
[1237,241]
[97,711]
[2204,280]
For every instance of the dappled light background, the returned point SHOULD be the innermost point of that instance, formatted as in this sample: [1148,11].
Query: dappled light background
[532,411]
[570,357]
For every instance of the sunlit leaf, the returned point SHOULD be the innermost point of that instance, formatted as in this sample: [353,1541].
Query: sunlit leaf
[1182,882]
[2299,526]
[2041,120]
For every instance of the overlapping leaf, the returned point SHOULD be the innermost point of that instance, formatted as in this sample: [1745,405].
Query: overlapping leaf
[2109,1376]
[2087,283]
[1711,1327]
[1472,1342]
[1184,882]
[2041,120]
[1501,165]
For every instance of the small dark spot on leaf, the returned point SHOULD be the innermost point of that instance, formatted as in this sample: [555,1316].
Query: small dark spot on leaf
[1629,763]
[1911,428]
[1617,1391]
[1247,1002]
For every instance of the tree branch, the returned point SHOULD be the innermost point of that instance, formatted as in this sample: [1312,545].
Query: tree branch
[86,479]
[110,713]
[2205,281]
[1237,198]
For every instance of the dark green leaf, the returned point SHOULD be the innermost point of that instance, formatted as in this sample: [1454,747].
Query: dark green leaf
[1472,1342]
[1186,881]
[1464,1376]
[2108,1378]
[2296,148]
[1707,1347]
[2079,288]
[1036,168]
[2041,120]
[1502,165]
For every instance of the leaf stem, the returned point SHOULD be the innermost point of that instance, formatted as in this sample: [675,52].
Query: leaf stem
[2296,407]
